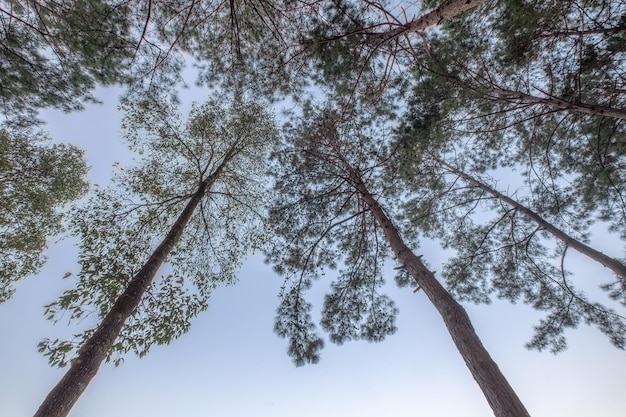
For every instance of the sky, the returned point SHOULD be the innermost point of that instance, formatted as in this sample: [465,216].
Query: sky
[231,364]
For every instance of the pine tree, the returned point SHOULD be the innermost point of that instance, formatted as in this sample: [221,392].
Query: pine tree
[615,265]
[326,216]
[52,54]
[55,53]
[198,189]
[516,89]
[535,86]
[504,249]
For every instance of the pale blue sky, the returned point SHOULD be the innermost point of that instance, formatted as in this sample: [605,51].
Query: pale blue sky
[232,365]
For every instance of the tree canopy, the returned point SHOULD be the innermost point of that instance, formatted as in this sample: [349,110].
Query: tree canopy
[118,225]
[427,110]
[334,214]
[198,190]
[56,53]
[37,179]
[509,96]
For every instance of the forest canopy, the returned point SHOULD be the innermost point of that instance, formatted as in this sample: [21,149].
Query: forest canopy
[493,128]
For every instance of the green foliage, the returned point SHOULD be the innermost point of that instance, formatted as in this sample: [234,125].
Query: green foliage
[483,97]
[569,161]
[55,53]
[37,179]
[484,89]
[337,41]
[52,54]
[293,321]
[320,222]
[283,47]
[118,227]
[500,252]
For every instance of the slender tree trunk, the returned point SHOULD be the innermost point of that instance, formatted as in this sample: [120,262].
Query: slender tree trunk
[64,395]
[499,394]
[557,103]
[584,32]
[607,261]
[448,10]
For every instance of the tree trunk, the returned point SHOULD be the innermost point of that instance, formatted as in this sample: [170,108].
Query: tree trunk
[607,261]
[448,10]
[499,394]
[64,395]
[557,103]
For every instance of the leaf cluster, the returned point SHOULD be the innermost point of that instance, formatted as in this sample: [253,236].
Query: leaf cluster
[37,179]
[52,54]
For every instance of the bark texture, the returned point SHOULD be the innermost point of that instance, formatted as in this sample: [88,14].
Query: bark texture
[616,266]
[499,394]
[448,10]
[64,395]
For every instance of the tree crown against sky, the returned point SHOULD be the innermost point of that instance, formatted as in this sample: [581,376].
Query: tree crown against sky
[65,49]
[56,53]
[491,115]
[328,31]
[118,225]
[559,130]
[152,35]
[334,215]
[319,218]
[320,223]
[554,111]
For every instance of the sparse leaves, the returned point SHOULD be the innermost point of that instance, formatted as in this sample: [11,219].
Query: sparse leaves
[222,145]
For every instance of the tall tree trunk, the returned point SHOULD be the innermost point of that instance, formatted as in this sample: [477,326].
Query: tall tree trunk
[499,394]
[557,103]
[447,10]
[64,395]
[609,262]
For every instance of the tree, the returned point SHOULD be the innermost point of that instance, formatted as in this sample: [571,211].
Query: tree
[446,10]
[55,53]
[536,88]
[511,90]
[615,265]
[325,215]
[37,179]
[367,47]
[505,249]
[199,187]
